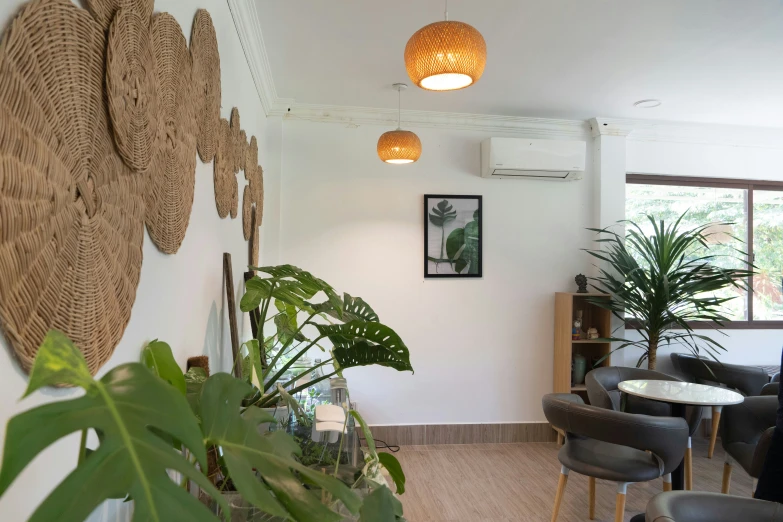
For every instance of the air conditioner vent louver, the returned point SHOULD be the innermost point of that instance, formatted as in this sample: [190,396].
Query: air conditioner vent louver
[552,160]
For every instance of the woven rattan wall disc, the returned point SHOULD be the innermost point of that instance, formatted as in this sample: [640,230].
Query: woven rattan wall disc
[71,212]
[257,192]
[251,157]
[234,211]
[253,247]
[172,175]
[223,170]
[132,88]
[243,145]
[236,143]
[206,81]
[104,10]
[247,213]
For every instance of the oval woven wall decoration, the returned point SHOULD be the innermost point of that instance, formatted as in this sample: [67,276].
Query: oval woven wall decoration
[257,191]
[247,213]
[223,170]
[104,10]
[206,81]
[171,177]
[234,210]
[72,212]
[251,157]
[236,143]
[132,88]
[243,150]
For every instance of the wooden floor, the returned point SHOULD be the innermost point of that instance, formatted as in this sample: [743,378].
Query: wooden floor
[517,482]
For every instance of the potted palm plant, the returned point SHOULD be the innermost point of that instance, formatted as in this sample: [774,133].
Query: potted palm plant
[663,282]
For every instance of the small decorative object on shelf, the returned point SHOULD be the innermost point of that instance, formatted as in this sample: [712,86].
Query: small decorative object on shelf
[581,282]
[576,331]
[592,333]
[580,368]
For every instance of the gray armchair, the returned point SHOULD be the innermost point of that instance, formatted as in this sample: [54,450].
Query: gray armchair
[621,447]
[687,506]
[603,392]
[746,435]
[772,388]
[748,380]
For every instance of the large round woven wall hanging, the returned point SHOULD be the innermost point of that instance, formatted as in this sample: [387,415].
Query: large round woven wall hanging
[223,170]
[72,211]
[251,157]
[206,81]
[243,145]
[131,87]
[104,10]
[257,192]
[171,177]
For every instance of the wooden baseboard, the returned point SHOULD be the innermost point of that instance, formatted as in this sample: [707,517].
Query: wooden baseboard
[421,434]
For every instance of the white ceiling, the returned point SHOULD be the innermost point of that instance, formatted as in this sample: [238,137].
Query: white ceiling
[715,61]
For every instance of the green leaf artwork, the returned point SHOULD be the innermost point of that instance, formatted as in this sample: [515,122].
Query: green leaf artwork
[461,249]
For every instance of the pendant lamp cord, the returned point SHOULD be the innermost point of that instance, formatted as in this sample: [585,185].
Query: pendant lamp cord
[446,12]
[399,111]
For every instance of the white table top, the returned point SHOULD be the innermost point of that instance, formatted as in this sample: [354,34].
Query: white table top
[681,392]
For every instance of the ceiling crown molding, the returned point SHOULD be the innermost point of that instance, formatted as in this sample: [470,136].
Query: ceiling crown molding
[355,116]
[694,133]
[249,30]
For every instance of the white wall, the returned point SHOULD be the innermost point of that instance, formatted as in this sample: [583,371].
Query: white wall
[722,161]
[482,348]
[179,298]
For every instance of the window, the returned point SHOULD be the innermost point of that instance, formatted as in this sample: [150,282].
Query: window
[755,208]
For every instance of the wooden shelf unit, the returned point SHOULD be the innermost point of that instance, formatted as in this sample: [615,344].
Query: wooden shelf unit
[566,306]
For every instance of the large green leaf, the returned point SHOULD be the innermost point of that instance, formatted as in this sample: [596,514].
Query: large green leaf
[394,468]
[360,343]
[279,490]
[442,213]
[354,309]
[381,506]
[290,292]
[308,285]
[158,358]
[126,408]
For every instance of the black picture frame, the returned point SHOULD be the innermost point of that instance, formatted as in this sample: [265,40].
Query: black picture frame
[431,200]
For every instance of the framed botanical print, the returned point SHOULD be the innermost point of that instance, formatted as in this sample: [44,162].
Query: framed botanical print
[452,236]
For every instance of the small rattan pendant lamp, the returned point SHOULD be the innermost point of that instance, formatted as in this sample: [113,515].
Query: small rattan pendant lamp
[445,56]
[399,146]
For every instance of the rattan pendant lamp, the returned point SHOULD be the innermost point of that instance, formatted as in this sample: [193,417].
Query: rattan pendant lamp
[445,56]
[399,146]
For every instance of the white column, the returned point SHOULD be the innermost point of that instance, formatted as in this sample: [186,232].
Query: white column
[609,170]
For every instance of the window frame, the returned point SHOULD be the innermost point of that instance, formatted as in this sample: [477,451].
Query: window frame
[746,184]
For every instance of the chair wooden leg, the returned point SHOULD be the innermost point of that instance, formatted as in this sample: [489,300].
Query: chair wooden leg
[619,510]
[561,484]
[716,410]
[667,482]
[591,492]
[560,439]
[726,486]
[689,466]
[753,485]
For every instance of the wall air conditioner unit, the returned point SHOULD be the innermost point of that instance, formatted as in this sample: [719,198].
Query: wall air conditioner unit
[554,160]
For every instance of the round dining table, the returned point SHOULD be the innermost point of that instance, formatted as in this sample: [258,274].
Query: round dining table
[679,395]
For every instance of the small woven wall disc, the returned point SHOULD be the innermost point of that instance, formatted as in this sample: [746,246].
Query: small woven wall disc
[132,88]
[257,191]
[71,212]
[236,143]
[243,145]
[206,81]
[251,157]
[223,170]
[247,213]
[104,10]
[172,175]
[234,197]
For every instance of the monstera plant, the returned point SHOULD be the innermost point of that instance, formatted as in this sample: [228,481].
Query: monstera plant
[151,419]
[146,428]
[347,325]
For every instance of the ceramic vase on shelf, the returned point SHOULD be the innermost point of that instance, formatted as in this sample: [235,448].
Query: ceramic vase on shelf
[580,368]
